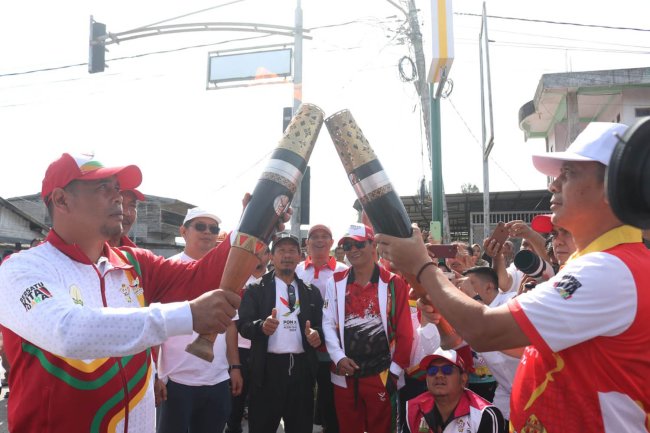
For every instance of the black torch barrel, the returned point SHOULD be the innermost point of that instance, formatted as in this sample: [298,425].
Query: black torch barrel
[282,175]
[367,176]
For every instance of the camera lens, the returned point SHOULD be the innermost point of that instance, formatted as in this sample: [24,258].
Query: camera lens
[529,263]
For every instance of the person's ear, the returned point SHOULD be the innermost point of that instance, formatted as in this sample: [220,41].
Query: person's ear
[59,199]
[464,379]
[183,231]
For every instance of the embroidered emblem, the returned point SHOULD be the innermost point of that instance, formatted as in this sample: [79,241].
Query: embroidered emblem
[567,286]
[533,425]
[382,396]
[325,303]
[126,291]
[135,287]
[33,295]
[75,294]
[460,424]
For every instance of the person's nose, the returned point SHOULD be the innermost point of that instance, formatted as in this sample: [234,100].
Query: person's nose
[554,186]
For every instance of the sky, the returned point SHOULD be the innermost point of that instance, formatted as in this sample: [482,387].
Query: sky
[208,147]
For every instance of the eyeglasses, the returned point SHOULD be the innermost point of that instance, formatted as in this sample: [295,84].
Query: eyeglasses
[291,292]
[347,245]
[446,369]
[201,227]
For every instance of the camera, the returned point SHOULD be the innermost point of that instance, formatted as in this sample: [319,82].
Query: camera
[628,176]
[532,265]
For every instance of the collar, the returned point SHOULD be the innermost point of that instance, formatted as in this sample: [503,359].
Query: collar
[125,241]
[331,263]
[434,416]
[374,278]
[75,253]
[619,235]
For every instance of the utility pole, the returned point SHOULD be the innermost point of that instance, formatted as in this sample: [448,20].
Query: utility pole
[297,100]
[431,120]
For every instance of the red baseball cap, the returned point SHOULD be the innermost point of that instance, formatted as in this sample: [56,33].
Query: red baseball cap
[449,355]
[542,224]
[358,232]
[317,227]
[138,195]
[84,167]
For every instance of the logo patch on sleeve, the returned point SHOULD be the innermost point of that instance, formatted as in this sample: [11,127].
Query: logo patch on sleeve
[33,295]
[567,286]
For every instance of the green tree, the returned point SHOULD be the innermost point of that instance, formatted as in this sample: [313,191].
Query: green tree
[467,188]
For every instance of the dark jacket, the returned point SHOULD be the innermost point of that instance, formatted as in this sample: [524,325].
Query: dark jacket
[256,306]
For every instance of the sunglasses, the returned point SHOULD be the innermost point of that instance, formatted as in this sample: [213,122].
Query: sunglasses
[201,227]
[446,369]
[347,245]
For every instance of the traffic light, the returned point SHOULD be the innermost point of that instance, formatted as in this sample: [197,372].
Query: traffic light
[97,47]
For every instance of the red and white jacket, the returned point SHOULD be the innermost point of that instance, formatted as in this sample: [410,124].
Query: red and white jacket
[77,334]
[334,317]
[473,414]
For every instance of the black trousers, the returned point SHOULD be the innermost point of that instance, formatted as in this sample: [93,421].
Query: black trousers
[287,393]
[325,409]
[411,389]
[195,409]
[239,402]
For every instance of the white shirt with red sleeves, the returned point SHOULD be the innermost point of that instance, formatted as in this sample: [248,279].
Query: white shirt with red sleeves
[318,276]
[588,367]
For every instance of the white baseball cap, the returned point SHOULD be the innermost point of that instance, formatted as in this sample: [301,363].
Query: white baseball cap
[197,212]
[595,143]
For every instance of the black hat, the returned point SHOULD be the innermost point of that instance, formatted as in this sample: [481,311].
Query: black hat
[280,237]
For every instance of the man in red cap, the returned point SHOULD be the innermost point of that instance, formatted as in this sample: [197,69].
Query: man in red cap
[448,406]
[80,316]
[317,269]
[130,199]
[368,333]
[587,327]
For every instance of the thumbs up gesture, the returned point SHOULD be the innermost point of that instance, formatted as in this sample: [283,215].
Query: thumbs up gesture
[271,323]
[313,338]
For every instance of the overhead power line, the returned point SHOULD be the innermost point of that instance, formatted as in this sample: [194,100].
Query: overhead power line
[563,23]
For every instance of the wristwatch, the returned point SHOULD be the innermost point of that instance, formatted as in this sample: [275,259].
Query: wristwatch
[234,367]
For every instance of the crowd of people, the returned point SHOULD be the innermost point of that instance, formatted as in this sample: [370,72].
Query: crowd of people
[95,328]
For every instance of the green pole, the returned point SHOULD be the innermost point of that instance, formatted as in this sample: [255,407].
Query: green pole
[436,169]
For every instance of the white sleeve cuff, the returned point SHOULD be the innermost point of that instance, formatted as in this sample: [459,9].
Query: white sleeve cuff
[177,317]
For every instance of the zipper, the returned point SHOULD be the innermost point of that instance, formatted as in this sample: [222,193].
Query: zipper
[102,285]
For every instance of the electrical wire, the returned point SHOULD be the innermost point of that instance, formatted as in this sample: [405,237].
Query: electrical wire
[479,143]
[563,23]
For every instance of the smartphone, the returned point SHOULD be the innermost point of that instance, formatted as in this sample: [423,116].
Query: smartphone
[443,251]
[500,233]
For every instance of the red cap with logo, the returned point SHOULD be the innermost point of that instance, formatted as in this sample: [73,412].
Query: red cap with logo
[84,167]
[449,355]
[358,232]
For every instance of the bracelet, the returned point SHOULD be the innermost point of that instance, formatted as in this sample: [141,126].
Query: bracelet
[234,367]
[424,266]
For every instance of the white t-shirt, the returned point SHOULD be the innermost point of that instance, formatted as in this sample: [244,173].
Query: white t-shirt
[502,366]
[242,342]
[517,278]
[287,338]
[176,364]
